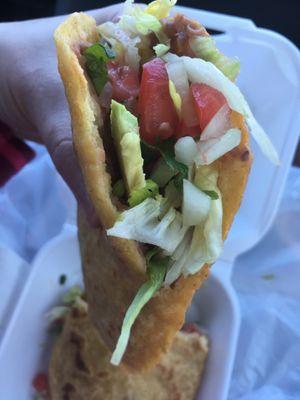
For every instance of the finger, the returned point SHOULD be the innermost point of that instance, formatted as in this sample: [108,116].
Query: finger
[52,119]
[65,160]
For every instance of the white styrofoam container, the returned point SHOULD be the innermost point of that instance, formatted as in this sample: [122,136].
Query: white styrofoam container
[270,81]
[25,347]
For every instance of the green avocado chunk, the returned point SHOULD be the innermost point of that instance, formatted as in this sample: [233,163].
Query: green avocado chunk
[125,133]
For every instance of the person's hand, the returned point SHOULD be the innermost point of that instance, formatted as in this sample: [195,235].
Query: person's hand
[32,98]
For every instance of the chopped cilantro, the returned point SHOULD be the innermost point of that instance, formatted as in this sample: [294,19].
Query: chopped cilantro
[96,57]
[166,150]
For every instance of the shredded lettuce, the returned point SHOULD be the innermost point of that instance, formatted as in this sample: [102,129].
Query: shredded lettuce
[179,258]
[202,243]
[160,8]
[137,21]
[161,49]
[156,269]
[152,222]
[202,71]
[207,243]
[124,46]
[205,48]
[175,96]
[96,57]
[137,196]
[145,22]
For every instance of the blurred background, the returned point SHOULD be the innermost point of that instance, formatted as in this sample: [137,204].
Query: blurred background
[278,15]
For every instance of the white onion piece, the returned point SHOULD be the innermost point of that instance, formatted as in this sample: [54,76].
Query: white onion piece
[186,150]
[177,74]
[212,149]
[195,205]
[218,125]
[171,58]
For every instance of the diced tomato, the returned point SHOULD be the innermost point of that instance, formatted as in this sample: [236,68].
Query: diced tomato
[124,81]
[183,130]
[208,101]
[40,382]
[158,117]
[191,327]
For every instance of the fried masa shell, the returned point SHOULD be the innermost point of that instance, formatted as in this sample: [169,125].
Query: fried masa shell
[114,268]
[80,368]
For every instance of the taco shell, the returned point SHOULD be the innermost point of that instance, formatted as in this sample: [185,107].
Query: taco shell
[115,268]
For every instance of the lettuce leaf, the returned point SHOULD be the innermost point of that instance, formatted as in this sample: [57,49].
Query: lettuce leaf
[123,44]
[205,48]
[160,8]
[137,21]
[203,243]
[207,242]
[161,49]
[202,71]
[155,271]
[154,222]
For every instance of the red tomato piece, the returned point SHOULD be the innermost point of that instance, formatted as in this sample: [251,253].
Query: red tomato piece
[183,130]
[158,117]
[124,81]
[40,382]
[208,102]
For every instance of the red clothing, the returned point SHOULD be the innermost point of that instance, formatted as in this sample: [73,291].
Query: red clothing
[14,154]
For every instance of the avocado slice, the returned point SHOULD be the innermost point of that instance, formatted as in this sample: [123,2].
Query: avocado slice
[125,133]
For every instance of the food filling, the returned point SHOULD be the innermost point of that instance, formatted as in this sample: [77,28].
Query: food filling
[168,95]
